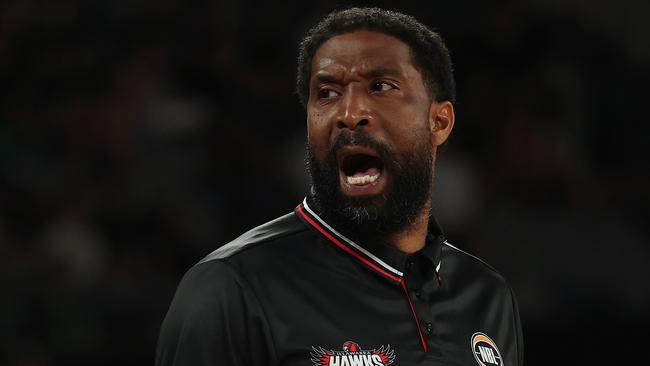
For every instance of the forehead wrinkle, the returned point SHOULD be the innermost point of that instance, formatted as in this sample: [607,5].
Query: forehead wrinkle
[367,70]
[344,57]
[327,71]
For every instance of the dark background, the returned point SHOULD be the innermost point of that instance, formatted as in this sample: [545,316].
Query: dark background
[138,136]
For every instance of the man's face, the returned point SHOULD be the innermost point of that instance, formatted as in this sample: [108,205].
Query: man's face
[369,138]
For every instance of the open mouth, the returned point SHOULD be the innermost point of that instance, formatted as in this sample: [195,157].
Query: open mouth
[361,171]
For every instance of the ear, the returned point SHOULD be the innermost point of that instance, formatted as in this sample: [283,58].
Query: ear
[441,121]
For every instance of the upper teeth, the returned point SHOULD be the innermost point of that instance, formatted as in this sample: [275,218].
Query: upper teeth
[362,180]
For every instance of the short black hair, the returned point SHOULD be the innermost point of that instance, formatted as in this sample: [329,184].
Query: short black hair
[428,51]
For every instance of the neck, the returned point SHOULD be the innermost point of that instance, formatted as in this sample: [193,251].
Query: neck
[413,238]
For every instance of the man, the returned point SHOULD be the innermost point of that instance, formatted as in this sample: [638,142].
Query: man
[359,273]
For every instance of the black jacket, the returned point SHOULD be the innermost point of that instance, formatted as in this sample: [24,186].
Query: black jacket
[296,292]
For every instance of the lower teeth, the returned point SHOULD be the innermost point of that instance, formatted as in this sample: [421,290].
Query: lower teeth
[362,180]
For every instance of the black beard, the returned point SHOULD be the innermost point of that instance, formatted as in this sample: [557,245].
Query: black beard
[373,218]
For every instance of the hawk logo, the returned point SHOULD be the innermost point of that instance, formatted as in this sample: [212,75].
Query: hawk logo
[485,350]
[353,355]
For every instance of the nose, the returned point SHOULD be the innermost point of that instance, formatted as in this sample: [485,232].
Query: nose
[354,112]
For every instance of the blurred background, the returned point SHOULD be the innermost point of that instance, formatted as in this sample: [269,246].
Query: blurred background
[138,136]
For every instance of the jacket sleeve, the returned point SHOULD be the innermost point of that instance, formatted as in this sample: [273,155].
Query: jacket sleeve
[214,319]
[518,330]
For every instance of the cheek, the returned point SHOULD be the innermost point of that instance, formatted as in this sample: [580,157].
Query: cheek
[408,112]
[318,130]
[409,128]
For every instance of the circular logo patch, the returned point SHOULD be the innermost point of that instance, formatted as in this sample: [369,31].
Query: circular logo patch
[485,350]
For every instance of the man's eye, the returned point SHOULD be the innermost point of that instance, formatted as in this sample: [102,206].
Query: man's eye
[326,94]
[381,86]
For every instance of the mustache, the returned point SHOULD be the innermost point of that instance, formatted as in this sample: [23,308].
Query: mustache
[362,139]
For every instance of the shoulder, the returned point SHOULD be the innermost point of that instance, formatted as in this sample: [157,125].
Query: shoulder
[277,247]
[461,266]
[282,229]
[203,286]
[215,318]
[482,287]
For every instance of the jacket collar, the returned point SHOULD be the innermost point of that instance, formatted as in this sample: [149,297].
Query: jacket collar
[383,259]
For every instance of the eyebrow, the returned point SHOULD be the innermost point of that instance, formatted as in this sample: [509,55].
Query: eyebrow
[381,71]
[325,77]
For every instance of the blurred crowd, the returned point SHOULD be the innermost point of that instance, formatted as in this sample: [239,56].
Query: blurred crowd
[138,136]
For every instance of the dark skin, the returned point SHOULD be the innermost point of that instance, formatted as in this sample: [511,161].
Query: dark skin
[366,80]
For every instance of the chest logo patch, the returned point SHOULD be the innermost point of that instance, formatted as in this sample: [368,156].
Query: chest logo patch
[352,355]
[485,350]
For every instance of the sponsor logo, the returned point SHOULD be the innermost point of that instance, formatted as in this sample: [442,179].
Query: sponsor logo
[485,350]
[352,355]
